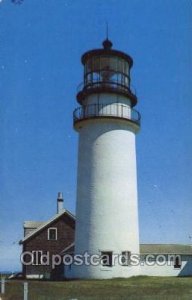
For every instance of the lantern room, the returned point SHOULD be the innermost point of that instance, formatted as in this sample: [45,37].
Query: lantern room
[106,71]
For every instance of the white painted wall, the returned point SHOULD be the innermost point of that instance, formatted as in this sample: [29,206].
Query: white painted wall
[168,269]
[99,272]
[107,212]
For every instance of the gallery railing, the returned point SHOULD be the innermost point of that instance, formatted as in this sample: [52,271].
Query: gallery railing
[114,110]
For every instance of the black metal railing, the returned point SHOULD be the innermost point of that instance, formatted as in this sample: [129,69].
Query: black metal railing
[102,84]
[114,110]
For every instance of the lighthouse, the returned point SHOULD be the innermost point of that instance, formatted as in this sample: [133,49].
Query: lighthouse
[107,201]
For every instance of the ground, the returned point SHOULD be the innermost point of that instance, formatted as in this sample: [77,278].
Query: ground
[148,288]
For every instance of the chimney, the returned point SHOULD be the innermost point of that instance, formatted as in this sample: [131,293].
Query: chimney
[60,203]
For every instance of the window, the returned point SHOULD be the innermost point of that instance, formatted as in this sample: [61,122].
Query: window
[52,234]
[125,258]
[106,258]
[37,257]
[177,262]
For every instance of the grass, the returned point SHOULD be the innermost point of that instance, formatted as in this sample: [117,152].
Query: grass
[142,287]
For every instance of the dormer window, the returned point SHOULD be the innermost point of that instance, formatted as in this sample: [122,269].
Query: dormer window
[52,234]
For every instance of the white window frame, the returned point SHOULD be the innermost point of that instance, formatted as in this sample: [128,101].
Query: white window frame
[36,259]
[48,234]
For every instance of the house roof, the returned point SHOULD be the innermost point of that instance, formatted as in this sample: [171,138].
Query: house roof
[68,249]
[152,249]
[166,249]
[44,224]
[32,224]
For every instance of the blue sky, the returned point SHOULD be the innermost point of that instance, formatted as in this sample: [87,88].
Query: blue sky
[41,45]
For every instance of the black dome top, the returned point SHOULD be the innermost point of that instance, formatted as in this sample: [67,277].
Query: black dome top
[106,50]
[107,44]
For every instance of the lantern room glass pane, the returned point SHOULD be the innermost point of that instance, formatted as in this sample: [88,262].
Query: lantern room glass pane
[88,66]
[107,69]
[95,64]
[126,67]
[119,65]
[104,63]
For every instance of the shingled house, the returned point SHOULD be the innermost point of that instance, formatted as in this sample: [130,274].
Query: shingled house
[42,240]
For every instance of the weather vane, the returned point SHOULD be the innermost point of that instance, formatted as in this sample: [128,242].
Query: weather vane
[107,30]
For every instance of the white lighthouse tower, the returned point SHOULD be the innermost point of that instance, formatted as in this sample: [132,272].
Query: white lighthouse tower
[107,210]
